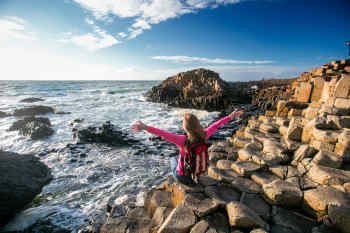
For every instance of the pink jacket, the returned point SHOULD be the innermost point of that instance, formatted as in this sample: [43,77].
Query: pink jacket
[179,140]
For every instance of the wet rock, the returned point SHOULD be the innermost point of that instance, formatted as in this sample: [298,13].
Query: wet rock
[181,219]
[33,110]
[22,177]
[280,192]
[107,133]
[34,127]
[62,113]
[242,216]
[31,100]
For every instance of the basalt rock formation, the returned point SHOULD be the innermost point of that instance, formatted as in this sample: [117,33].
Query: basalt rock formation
[203,89]
[33,110]
[34,127]
[287,171]
[106,133]
[21,179]
[200,89]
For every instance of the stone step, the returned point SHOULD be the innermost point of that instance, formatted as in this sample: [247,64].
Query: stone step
[181,219]
[318,201]
[241,216]
[245,168]
[328,159]
[238,141]
[222,194]
[283,193]
[327,175]
[224,175]
[263,177]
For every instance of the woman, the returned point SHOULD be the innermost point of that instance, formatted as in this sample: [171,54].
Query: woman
[194,133]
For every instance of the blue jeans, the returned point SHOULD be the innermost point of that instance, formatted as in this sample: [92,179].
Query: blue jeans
[182,179]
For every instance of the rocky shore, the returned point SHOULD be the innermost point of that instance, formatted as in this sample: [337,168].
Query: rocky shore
[287,171]
[204,89]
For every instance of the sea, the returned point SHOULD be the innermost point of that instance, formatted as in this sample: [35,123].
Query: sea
[81,187]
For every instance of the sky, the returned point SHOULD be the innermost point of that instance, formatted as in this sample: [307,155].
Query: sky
[242,40]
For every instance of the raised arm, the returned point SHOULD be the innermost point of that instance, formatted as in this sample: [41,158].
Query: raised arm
[179,140]
[213,127]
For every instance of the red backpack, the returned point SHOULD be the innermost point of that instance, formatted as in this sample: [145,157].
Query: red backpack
[196,160]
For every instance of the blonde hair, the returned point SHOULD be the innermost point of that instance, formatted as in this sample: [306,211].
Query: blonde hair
[195,132]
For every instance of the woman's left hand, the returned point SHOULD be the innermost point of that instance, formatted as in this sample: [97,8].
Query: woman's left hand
[236,113]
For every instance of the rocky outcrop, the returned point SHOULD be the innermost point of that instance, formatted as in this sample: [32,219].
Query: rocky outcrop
[33,110]
[21,179]
[106,133]
[3,114]
[31,100]
[35,128]
[200,88]
[269,92]
[286,171]
[203,89]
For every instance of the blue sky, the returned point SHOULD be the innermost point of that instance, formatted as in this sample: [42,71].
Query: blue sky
[153,39]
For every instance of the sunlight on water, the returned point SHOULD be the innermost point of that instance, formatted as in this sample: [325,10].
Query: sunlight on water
[82,187]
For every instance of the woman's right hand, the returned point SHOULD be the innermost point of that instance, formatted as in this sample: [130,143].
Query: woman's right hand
[139,126]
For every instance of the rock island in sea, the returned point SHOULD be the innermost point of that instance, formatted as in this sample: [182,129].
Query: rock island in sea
[286,171]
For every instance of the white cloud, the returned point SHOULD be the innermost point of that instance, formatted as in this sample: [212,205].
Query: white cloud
[208,60]
[89,21]
[99,39]
[147,12]
[122,34]
[14,27]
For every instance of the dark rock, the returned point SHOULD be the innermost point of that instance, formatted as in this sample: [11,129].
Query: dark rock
[3,114]
[63,113]
[35,127]
[31,100]
[33,110]
[107,133]
[22,177]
